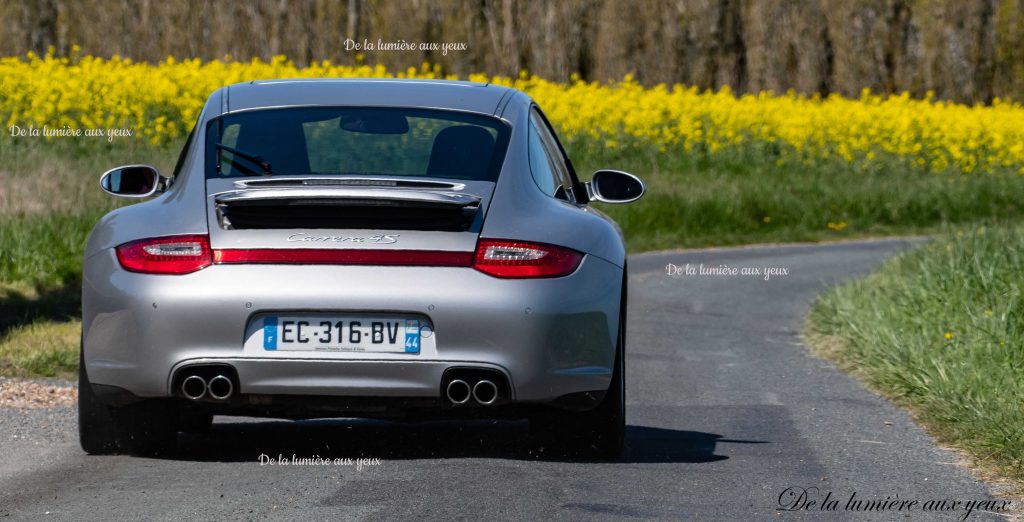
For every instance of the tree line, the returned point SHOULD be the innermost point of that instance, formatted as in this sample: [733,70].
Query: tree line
[963,50]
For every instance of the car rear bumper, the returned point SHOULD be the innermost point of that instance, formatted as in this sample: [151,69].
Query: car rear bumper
[550,338]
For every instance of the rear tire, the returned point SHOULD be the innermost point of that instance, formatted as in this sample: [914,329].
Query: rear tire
[600,432]
[145,428]
[97,429]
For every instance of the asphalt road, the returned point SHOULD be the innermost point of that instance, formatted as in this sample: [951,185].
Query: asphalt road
[726,410]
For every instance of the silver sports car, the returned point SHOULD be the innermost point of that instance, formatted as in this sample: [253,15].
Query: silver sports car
[357,248]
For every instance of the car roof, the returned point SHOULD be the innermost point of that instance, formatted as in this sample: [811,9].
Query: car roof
[438,94]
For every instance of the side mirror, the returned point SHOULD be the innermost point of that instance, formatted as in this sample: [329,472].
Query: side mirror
[132,181]
[614,186]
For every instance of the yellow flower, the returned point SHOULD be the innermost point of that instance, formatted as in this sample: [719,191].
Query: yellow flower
[81,91]
[949,336]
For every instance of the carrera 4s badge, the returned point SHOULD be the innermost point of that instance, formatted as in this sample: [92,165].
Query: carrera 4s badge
[382,239]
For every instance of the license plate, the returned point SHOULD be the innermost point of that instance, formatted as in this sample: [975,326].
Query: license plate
[341,334]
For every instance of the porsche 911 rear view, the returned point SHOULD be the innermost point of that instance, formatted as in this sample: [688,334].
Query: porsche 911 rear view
[392,249]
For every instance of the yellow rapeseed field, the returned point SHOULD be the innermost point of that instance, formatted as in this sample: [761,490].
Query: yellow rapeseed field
[160,102]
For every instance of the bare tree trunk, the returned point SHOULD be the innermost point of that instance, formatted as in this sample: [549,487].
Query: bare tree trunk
[41,18]
[510,43]
[490,17]
[354,6]
[586,13]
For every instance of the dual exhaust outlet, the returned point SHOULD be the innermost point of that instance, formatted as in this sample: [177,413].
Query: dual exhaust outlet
[484,392]
[195,387]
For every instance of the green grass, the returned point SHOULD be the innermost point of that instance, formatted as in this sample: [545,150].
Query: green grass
[50,200]
[41,349]
[44,250]
[754,196]
[940,329]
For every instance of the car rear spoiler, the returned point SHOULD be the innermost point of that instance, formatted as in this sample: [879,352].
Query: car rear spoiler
[346,207]
[347,196]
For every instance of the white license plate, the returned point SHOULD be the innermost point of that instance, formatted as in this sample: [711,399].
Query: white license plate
[341,334]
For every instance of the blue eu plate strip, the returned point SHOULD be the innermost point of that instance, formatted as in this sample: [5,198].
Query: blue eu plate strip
[412,336]
[270,333]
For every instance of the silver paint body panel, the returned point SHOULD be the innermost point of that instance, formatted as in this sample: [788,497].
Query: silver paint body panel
[550,337]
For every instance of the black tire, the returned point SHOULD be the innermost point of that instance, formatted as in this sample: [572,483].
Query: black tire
[97,429]
[146,428]
[600,432]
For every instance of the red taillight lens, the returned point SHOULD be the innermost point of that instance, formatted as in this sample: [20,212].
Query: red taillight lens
[522,259]
[166,255]
[499,258]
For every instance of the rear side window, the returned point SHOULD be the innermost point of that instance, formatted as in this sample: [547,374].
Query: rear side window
[546,165]
[540,164]
[356,140]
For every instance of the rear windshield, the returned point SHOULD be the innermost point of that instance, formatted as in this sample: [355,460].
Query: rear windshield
[356,140]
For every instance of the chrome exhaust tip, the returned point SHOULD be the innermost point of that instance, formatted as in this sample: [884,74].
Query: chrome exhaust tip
[220,387]
[458,391]
[485,392]
[193,387]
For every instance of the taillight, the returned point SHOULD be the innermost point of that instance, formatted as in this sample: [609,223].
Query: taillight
[522,259]
[166,255]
